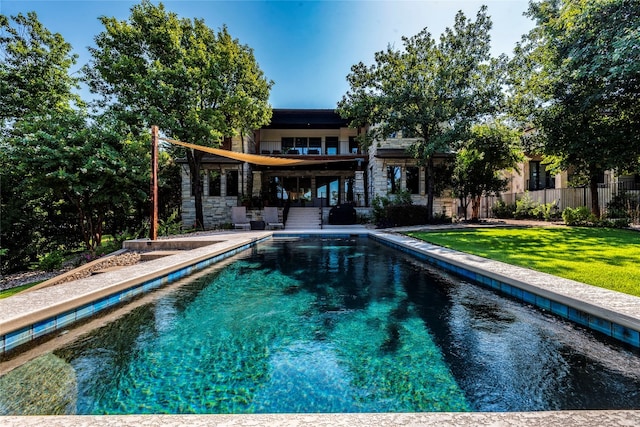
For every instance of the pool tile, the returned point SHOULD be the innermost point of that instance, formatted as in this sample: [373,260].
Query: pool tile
[100,305]
[44,327]
[543,302]
[16,338]
[600,325]
[516,292]
[528,297]
[578,316]
[84,312]
[625,334]
[560,309]
[65,319]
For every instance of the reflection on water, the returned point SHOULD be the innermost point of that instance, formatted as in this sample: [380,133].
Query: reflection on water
[342,326]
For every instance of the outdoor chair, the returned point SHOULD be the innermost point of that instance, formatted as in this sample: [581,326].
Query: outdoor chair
[270,216]
[239,218]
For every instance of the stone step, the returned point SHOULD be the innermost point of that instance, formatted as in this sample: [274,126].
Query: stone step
[148,256]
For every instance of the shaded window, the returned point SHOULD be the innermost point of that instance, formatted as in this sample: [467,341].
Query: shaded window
[540,178]
[413,180]
[215,188]
[394,174]
[232,183]
[354,148]
[315,145]
[331,145]
[287,144]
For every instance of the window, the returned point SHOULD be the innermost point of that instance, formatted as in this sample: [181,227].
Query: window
[215,188]
[394,174]
[287,144]
[353,145]
[315,145]
[232,183]
[331,145]
[539,177]
[413,180]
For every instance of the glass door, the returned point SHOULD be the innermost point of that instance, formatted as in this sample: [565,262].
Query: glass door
[328,190]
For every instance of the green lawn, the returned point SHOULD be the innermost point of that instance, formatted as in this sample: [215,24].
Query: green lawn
[8,292]
[608,258]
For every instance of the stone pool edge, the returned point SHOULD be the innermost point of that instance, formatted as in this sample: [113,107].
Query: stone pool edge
[28,316]
[439,419]
[611,313]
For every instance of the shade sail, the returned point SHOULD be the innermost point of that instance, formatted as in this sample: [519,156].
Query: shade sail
[256,159]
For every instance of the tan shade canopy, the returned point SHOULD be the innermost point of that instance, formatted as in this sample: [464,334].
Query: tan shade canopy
[253,158]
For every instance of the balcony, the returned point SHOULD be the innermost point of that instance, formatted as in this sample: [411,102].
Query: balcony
[311,148]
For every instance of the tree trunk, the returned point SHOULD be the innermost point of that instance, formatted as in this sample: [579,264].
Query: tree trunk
[194,160]
[431,185]
[595,200]
[475,208]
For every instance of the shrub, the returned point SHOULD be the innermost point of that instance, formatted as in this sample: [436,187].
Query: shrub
[170,226]
[50,261]
[546,211]
[503,210]
[526,207]
[577,216]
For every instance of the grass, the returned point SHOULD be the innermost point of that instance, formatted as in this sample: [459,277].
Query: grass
[8,292]
[607,258]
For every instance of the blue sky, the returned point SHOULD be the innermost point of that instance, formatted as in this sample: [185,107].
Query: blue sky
[306,47]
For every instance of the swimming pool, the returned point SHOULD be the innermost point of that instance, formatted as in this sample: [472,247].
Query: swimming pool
[337,325]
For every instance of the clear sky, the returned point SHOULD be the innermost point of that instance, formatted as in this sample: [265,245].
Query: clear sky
[306,47]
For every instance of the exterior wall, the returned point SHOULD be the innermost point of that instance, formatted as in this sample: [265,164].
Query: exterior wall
[377,169]
[216,209]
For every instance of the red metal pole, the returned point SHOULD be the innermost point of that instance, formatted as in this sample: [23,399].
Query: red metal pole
[153,232]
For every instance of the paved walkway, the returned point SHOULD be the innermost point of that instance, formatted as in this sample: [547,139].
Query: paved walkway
[21,309]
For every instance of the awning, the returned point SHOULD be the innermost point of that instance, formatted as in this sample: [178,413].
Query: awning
[256,159]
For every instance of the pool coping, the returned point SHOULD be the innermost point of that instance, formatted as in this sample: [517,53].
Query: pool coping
[609,305]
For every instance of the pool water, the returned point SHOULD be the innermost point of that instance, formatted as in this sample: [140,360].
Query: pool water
[342,325]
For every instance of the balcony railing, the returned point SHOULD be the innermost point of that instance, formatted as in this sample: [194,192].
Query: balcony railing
[276,148]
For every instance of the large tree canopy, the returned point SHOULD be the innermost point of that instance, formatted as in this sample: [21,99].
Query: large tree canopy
[197,85]
[432,90]
[65,175]
[576,81]
[34,69]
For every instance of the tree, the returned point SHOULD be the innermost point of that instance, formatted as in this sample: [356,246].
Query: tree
[81,166]
[35,81]
[34,70]
[197,85]
[491,149]
[431,90]
[576,81]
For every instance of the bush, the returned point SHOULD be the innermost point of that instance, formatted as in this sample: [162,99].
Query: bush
[526,207]
[50,261]
[577,216]
[503,210]
[546,211]
[170,226]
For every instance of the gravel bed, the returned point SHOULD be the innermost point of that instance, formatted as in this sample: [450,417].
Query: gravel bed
[19,279]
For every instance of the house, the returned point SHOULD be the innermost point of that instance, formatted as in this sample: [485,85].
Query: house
[306,158]
[534,177]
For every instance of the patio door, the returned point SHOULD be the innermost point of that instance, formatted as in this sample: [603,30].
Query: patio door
[328,190]
[298,189]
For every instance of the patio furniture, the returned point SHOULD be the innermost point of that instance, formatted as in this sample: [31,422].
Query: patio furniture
[270,216]
[239,218]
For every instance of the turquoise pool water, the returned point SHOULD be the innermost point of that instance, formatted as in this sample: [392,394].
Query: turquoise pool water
[339,325]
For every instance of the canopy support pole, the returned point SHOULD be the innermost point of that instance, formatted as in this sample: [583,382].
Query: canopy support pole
[153,229]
